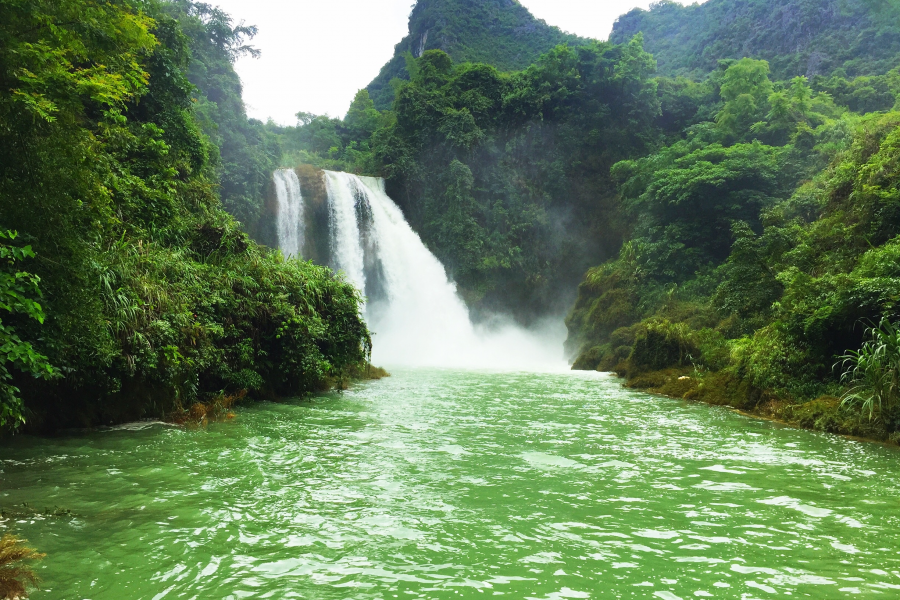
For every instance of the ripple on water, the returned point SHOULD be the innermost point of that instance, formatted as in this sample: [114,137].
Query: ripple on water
[443,484]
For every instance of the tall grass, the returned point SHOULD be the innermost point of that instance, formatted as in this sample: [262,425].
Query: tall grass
[872,373]
[15,575]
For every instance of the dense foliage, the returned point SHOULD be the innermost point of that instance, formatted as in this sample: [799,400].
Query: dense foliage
[504,175]
[507,176]
[763,240]
[512,181]
[743,212]
[243,150]
[796,37]
[501,33]
[18,293]
[742,196]
[127,287]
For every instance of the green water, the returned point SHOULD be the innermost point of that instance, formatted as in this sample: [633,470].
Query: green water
[441,484]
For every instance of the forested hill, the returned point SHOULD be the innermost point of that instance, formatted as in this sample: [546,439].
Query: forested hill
[501,33]
[126,291]
[246,153]
[797,37]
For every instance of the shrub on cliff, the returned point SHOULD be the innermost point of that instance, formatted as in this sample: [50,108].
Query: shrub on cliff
[660,343]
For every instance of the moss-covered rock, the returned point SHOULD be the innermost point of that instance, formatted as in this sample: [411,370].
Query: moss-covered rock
[589,359]
[661,344]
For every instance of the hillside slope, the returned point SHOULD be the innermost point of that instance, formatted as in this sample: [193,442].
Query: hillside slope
[501,33]
[126,291]
[797,37]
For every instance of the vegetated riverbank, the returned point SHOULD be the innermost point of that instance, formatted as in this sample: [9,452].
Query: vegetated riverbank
[824,413]
[767,306]
[220,407]
[126,290]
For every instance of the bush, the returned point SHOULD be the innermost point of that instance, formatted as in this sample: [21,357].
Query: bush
[15,575]
[589,359]
[660,344]
[18,293]
[772,360]
[873,372]
[714,354]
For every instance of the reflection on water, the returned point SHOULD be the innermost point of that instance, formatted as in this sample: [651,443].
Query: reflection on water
[442,484]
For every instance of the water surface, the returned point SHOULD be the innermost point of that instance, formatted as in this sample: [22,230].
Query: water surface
[449,484]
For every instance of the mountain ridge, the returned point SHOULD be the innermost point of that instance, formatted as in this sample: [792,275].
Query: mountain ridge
[797,37]
[502,33]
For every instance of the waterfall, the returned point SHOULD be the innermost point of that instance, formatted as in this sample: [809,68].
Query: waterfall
[412,306]
[290,212]
[345,200]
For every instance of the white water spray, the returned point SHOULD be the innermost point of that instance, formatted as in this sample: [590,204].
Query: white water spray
[290,212]
[413,308]
[344,198]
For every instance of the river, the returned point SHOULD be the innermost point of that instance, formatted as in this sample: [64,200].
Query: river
[461,484]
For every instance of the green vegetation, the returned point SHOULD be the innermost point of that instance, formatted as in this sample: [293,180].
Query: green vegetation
[243,151]
[500,33]
[128,290]
[746,217]
[796,37]
[334,144]
[504,175]
[760,242]
[18,290]
[743,212]
[873,372]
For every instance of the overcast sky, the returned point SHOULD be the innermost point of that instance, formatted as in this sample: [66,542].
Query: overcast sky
[316,54]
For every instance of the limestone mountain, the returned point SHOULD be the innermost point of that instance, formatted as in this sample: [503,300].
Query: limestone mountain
[797,37]
[502,33]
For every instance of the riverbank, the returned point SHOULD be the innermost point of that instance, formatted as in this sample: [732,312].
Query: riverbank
[220,407]
[824,413]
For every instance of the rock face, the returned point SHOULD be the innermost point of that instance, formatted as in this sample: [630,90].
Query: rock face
[501,33]
[797,37]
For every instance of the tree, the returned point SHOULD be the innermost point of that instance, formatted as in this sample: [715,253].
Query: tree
[247,152]
[362,118]
[745,89]
[18,293]
[685,198]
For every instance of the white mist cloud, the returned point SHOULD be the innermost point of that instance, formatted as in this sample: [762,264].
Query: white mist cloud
[587,18]
[316,54]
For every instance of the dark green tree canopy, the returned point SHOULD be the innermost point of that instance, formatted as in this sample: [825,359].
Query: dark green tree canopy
[128,291]
[501,33]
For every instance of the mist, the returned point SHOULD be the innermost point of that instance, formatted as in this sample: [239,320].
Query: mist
[412,307]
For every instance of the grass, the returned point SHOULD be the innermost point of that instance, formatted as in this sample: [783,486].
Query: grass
[873,372]
[199,413]
[15,575]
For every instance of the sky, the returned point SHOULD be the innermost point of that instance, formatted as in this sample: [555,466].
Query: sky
[316,54]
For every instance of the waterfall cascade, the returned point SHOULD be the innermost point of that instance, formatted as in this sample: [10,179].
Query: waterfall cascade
[412,307]
[290,212]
